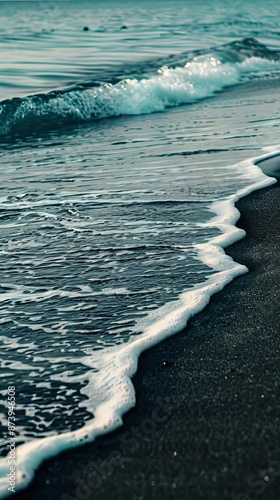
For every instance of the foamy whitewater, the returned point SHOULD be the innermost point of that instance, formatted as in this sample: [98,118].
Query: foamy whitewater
[122,157]
[199,78]
[116,366]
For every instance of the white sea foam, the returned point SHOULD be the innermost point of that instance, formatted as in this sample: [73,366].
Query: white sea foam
[198,79]
[116,366]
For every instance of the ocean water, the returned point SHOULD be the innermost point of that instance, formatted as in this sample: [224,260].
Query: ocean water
[123,148]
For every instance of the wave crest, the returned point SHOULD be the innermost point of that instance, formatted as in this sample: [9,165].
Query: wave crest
[200,77]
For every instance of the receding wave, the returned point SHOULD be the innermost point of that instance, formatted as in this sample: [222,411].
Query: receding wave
[182,80]
[108,372]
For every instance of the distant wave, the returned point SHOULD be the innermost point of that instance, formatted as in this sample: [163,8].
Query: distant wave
[186,79]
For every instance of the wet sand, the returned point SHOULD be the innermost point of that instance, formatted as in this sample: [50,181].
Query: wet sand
[207,420]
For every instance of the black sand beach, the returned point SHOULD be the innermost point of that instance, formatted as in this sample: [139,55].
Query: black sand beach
[207,420]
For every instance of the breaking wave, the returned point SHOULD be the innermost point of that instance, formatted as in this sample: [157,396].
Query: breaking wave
[183,80]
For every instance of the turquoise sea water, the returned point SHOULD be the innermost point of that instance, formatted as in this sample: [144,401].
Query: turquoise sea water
[114,142]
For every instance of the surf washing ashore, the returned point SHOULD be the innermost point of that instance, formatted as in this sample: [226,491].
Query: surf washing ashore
[121,167]
[206,423]
[119,365]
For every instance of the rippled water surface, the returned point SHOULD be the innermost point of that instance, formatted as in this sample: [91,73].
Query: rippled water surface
[114,142]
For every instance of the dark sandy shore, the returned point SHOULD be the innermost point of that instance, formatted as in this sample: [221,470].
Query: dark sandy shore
[207,420]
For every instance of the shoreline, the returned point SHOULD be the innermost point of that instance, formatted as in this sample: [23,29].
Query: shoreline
[198,441]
